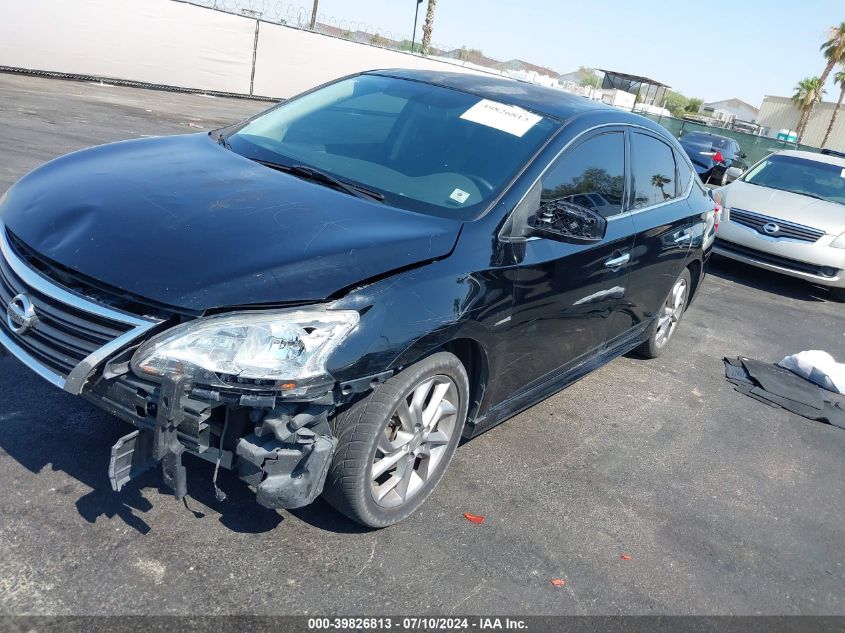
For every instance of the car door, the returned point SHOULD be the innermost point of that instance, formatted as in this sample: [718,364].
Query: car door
[568,297]
[664,221]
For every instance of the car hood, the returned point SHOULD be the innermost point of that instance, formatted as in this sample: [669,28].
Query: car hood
[185,222]
[784,205]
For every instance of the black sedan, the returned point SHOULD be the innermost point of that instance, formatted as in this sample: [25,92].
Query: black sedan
[325,298]
[716,159]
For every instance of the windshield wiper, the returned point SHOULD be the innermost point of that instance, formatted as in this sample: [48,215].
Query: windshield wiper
[316,175]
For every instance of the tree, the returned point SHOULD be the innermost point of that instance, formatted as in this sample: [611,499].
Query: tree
[660,181]
[470,54]
[588,77]
[675,102]
[693,105]
[428,27]
[839,80]
[833,50]
[807,91]
[379,40]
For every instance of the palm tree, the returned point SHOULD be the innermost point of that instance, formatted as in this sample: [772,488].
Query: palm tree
[428,27]
[807,91]
[660,181]
[833,50]
[839,80]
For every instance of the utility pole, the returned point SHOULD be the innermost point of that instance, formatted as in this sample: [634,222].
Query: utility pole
[314,14]
[414,34]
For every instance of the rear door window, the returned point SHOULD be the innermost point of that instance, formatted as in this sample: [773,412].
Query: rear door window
[653,170]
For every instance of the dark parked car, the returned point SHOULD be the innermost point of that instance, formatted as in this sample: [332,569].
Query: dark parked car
[336,290]
[716,159]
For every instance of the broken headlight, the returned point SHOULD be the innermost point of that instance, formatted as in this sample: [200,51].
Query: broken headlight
[285,350]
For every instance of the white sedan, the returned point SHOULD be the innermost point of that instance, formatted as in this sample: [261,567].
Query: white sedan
[787,214]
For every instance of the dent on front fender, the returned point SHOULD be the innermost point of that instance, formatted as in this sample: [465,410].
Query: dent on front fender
[405,317]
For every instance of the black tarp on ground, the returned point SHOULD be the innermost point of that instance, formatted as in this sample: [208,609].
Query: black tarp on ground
[779,387]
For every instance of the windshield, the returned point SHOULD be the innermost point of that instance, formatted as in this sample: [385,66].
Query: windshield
[425,148]
[800,175]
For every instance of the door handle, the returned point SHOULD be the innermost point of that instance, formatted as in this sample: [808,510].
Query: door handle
[683,237]
[616,262]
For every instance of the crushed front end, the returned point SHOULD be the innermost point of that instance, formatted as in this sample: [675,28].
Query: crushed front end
[247,391]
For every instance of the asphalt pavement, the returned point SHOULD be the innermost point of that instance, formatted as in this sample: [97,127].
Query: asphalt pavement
[724,505]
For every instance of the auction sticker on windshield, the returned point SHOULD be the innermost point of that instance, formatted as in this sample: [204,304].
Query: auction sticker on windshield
[507,118]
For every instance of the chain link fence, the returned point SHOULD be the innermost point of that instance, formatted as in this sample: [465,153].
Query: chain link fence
[755,147]
[298,15]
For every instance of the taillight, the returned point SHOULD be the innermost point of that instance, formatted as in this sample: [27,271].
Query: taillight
[717,157]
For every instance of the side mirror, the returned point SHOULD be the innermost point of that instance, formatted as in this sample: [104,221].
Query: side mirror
[567,222]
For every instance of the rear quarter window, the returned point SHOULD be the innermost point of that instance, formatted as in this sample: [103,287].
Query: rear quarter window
[653,169]
[685,173]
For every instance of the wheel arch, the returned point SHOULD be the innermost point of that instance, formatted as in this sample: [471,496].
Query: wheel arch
[473,356]
[696,270]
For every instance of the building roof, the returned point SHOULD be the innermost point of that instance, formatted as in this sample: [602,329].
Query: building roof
[735,100]
[520,64]
[643,80]
[548,101]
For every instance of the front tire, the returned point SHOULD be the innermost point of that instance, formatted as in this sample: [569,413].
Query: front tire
[395,444]
[667,318]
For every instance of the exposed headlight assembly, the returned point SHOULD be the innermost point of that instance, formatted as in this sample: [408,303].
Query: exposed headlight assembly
[284,350]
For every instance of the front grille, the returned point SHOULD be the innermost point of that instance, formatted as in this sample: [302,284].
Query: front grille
[785,229]
[775,260]
[70,327]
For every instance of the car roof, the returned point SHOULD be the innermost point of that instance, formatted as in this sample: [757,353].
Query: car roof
[548,101]
[819,158]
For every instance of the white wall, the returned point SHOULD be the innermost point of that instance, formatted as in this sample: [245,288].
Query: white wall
[290,60]
[155,41]
[183,45]
[779,113]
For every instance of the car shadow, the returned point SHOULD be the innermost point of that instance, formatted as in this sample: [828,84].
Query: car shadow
[42,427]
[767,281]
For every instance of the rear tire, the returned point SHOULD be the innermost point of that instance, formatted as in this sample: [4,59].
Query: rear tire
[395,444]
[667,319]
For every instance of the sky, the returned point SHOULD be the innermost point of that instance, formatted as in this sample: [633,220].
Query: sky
[715,49]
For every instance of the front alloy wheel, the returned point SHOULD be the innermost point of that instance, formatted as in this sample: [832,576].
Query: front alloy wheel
[414,441]
[395,443]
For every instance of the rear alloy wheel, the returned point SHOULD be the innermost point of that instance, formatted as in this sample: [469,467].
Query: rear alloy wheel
[667,318]
[395,444]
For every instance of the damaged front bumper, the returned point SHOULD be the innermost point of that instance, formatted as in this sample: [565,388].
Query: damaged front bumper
[282,450]
[284,456]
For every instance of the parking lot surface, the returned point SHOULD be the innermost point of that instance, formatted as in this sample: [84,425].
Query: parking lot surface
[724,506]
